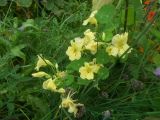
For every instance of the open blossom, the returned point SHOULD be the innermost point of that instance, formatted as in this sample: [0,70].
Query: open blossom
[51,85]
[118,45]
[111,50]
[86,72]
[119,40]
[91,19]
[95,66]
[88,36]
[40,74]
[74,51]
[89,69]
[92,46]
[69,103]
[89,41]
[42,63]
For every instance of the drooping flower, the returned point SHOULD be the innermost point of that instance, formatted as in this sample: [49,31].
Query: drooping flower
[42,62]
[74,51]
[69,103]
[41,74]
[51,85]
[91,19]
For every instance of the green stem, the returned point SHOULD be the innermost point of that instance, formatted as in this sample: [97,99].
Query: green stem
[126,15]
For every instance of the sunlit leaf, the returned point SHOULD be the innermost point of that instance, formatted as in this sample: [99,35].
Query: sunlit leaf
[24,3]
[105,14]
[97,4]
[16,51]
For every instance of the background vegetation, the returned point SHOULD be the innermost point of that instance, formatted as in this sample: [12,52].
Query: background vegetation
[31,27]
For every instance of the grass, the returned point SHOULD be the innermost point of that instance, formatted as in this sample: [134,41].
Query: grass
[132,91]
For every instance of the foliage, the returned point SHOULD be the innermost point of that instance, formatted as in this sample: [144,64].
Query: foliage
[125,86]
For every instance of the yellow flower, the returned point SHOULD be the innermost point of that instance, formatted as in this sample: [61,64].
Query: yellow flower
[79,41]
[69,103]
[95,66]
[89,41]
[50,85]
[92,46]
[111,50]
[40,74]
[74,51]
[86,71]
[91,19]
[118,45]
[123,49]
[42,63]
[120,40]
[88,36]
[60,74]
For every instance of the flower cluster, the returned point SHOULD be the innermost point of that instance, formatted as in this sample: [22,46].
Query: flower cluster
[88,70]
[52,84]
[148,7]
[88,42]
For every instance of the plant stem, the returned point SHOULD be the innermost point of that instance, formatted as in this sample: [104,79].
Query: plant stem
[126,15]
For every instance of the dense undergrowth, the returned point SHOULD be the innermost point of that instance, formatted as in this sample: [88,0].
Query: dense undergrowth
[131,87]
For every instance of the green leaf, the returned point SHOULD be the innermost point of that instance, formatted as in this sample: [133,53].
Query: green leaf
[83,81]
[108,36]
[105,14]
[16,51]
[24,3]
[69,79]
[76,64]
[3,2]
[10,107]
[39,104]
[103,73]
[156,59]
[50,4]
[97,4]
[130,16]
[28,23]
[1,103]
[155,33]
[102,57]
